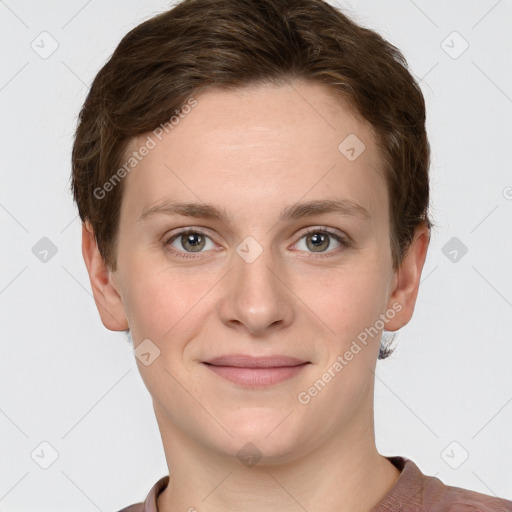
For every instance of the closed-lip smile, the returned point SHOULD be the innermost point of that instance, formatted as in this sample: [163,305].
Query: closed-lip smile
[252,371]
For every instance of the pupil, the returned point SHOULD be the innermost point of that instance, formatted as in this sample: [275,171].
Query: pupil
[318,241]
[318,237]
[191,238]
[192,241]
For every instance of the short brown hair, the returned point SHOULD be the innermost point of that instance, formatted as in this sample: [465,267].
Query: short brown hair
[204,44]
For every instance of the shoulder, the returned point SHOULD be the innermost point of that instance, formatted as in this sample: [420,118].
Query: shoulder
[446,498]
[417,492]
[150,503]
[439,497]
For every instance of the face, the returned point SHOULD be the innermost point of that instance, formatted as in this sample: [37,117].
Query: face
[264,265]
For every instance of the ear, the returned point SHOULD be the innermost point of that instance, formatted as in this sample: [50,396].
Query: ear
[105,291]
[406,280]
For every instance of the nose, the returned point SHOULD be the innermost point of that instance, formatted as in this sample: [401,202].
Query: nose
[256,297]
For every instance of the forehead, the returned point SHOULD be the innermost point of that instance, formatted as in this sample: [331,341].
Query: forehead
[261,145]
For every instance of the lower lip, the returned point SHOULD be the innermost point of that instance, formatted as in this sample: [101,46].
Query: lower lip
[257,377]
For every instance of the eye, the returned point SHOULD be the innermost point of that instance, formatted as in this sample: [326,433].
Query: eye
[190,240]
[318,240]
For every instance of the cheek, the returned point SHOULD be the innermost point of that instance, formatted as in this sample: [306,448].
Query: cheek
[165,309]
[343,302]
[165,304]
[145,298]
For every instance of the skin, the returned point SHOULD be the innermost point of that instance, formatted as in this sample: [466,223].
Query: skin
[253,152]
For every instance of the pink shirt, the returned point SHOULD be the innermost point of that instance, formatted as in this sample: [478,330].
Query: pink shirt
[412,492]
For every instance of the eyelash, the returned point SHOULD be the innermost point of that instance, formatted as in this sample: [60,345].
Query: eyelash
[344,242]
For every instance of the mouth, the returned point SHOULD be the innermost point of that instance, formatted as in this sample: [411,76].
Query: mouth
[253,372]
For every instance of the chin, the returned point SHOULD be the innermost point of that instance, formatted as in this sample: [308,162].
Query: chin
[263,433]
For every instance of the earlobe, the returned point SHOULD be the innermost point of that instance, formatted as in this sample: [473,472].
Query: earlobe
[105,291]
[407,280]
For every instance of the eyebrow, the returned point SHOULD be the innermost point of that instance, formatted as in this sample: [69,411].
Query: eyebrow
[345,207]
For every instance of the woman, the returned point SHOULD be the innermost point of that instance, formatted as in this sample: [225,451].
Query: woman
[252,178]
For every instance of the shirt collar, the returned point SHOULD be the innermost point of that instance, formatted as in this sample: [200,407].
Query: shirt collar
[410,477]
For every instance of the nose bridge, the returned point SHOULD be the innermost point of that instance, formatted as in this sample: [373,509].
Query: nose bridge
[255,281]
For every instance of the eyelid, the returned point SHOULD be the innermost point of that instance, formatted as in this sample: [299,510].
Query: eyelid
[184,230]
[324,229]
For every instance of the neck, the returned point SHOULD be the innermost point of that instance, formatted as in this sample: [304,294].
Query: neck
[345,474]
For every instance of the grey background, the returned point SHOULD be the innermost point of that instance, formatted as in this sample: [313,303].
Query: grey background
[67,381]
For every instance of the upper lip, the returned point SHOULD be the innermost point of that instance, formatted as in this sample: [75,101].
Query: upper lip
[246,361]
